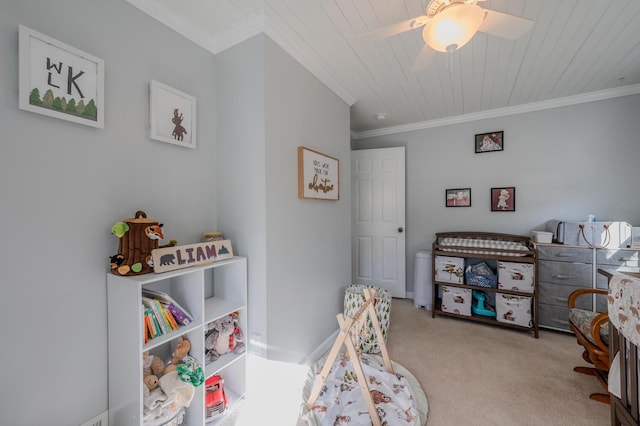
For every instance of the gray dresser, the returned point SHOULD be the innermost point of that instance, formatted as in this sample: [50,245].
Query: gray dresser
[564,268]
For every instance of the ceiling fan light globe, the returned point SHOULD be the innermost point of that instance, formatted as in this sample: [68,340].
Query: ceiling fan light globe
[455,25]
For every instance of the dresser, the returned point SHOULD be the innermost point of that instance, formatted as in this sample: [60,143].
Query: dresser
[564,268]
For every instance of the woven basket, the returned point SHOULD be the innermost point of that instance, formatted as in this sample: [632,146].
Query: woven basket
[487,281]
[353,300]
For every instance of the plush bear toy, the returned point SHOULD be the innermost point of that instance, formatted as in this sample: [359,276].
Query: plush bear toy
[182,350]
[223,335]
[153,369]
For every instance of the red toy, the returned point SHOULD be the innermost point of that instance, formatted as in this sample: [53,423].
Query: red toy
[215,400]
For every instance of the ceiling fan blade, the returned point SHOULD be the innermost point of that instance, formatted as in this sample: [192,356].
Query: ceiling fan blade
[423,59]
[505,25]
[400,27]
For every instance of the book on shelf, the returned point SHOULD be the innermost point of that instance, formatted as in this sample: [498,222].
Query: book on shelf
[179,313]
[145,330]
[157,313]
[154,326]
[170,319]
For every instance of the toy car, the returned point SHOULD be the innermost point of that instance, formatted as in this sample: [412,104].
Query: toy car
[215,399]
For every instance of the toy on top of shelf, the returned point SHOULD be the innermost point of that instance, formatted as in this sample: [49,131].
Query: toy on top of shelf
[223,335]
[137,237]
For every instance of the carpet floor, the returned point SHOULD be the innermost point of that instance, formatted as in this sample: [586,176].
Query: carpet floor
[472,374]
[477,374]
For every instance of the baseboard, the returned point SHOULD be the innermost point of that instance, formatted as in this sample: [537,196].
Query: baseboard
[317,353]
[101,419]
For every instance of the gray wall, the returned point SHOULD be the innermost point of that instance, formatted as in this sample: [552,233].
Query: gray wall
[565,163]
[308,241]
[62,186]
[242,176]
[298,250]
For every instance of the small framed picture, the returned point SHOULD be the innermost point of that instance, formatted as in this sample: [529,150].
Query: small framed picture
[460,197]
[173,115]
[60,81]
[489,142]
[318,175]
[503,199]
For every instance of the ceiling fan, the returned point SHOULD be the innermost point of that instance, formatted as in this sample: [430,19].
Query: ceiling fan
[450,24]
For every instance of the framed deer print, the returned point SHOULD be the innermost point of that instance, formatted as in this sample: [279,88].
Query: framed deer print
[59,80]
[173,115]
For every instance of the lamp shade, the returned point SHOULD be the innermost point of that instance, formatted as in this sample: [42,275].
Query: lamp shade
[453,27]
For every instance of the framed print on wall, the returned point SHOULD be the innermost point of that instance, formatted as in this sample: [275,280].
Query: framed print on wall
[460,197]
[503,199]
[173,115]
[59,80]
[318,175]
[489,142]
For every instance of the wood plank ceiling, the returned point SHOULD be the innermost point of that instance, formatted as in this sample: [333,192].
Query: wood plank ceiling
[575,47]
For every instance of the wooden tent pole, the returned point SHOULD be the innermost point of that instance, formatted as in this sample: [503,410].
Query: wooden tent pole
[369,295]
[362,379]
[345,323]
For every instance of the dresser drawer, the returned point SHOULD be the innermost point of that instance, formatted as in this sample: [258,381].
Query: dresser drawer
[557,295]
[628,258]
[553,316]
[572,274]
[565,253]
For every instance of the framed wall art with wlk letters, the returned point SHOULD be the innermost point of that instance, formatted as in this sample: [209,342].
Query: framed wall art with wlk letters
[59,80]
[318,175]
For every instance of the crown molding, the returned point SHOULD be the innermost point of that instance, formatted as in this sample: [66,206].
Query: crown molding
[250,28]
[503,112]
[297,49]
[169,19]
[258,24]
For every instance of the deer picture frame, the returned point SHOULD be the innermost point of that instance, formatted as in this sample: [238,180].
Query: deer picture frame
[172,115]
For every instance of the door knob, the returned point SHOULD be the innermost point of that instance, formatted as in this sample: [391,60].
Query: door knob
[400,229]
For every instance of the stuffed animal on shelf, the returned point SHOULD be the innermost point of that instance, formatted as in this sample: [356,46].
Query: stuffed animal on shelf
[223,335]
[182,350]
[187,367]
[153,369]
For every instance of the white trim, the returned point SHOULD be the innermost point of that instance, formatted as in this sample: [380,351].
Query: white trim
[502,112]
[240,33]
[169,19]
[260,23]
[302,54]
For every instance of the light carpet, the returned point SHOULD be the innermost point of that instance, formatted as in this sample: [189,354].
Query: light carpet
[472,374]
[477,374]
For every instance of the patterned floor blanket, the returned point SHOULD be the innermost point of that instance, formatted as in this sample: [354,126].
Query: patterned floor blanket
[398,397]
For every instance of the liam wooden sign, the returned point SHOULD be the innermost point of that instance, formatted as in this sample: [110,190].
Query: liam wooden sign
[178,257]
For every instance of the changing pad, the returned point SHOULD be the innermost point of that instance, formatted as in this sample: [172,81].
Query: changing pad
[494,246]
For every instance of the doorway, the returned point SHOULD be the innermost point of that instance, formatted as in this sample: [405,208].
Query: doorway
[378,219]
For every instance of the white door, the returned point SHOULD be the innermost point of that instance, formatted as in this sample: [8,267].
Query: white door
[378,218]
